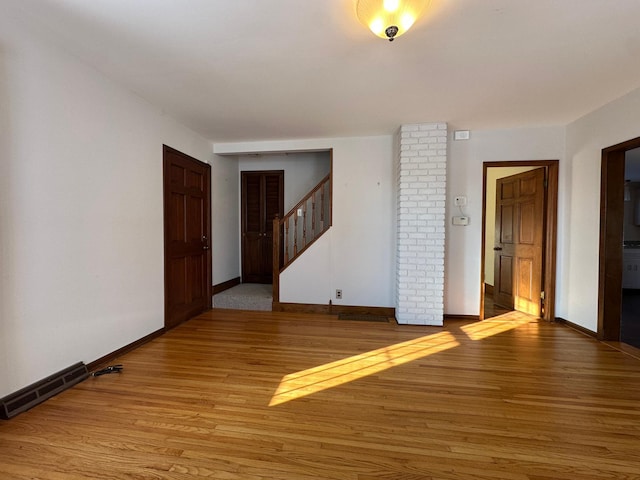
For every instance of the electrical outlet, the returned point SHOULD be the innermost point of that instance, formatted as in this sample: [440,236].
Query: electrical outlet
[338,294]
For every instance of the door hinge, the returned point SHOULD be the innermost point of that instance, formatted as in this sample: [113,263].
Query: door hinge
[546,183]
[542,295]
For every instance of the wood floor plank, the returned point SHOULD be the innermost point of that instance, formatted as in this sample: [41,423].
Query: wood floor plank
[262,395]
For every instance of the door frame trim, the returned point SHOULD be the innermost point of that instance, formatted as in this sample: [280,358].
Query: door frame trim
[550,239]
[612,169]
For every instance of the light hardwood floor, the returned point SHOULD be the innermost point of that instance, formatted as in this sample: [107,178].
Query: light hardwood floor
[262,395]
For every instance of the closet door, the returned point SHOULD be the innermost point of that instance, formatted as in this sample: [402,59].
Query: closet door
[262,200]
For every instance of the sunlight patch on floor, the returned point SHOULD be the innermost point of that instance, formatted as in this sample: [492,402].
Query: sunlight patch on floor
[316,379]
[496,325]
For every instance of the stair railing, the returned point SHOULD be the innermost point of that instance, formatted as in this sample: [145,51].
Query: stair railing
[300,227]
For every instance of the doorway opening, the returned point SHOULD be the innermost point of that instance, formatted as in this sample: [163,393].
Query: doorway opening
[269,183]
[618,287]
[526,276]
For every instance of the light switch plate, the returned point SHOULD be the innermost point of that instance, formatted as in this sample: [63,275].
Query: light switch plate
[461,135]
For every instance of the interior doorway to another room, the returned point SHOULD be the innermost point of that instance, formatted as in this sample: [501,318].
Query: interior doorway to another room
[630,317]
[619,281]
[525,275]
[262,193]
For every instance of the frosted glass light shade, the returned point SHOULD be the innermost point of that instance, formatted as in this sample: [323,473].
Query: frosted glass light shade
[389,18]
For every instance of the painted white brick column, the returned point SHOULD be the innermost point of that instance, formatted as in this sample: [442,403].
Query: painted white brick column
[422,179]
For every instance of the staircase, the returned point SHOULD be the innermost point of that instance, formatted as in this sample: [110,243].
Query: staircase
[299,228]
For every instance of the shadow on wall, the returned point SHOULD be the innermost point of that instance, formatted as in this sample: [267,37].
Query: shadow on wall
[6,217]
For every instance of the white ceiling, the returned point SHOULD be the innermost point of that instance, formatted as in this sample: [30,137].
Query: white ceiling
[238,70]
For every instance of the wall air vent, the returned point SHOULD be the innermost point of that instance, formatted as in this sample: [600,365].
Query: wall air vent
[24,399]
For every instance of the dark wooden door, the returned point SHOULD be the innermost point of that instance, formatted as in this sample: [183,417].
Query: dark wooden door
[187,230]
[519,236]
[262,200]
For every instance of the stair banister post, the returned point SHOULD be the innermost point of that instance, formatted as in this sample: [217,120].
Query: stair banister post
[276,259]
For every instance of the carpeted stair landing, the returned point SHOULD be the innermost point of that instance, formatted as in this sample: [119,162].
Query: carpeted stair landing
[246,296]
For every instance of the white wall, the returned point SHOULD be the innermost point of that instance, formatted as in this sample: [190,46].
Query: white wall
[81,236]
[225,213]
[614,123]
[302,171]
[313,278]
[357,254]
[464,177]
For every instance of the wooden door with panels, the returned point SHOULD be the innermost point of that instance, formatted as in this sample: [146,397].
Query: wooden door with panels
[519,241]
[262,199]
[187,230]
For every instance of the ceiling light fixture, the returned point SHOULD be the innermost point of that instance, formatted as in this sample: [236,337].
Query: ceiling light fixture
[389,18]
